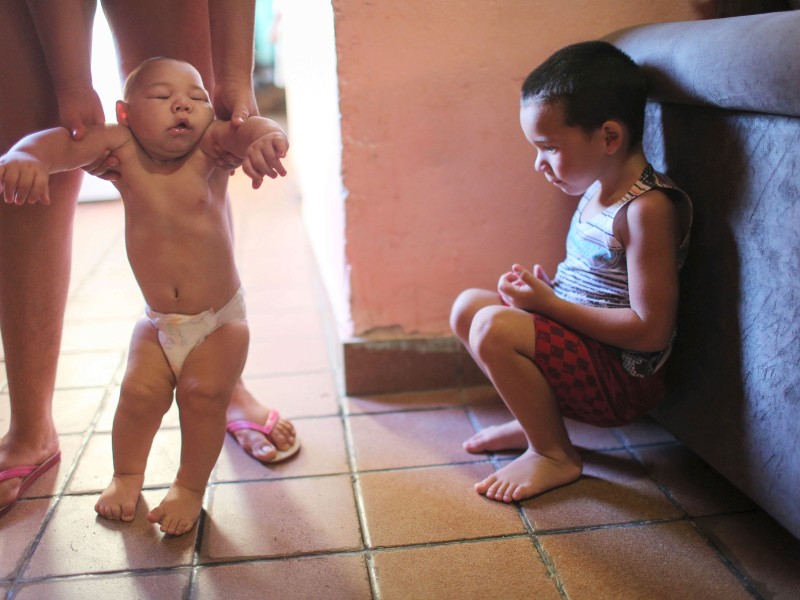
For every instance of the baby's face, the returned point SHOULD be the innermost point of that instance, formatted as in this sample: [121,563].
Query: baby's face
[168,110]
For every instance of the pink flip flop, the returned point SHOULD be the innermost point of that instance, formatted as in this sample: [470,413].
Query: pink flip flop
[28,474]
[266,429]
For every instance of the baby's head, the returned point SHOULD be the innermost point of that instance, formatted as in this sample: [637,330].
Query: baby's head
[593,82]
[166,107]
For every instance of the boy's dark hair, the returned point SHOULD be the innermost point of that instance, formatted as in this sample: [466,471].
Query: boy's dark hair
[594,82]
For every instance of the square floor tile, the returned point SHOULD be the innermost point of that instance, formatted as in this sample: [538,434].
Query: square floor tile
[435,504]
[269,324]
[646,431]
[77,540]
[491,569]
[614,488]
[698,488]
[286,355]
[18,530]
[322,452]
[120,587]
[320,578]
[411,439]
[75,410]
[406,401]
[96,465]
[88,369]
[53,479]
[658,561]
[762,550]
[305,395]
[87,336]
[280,518]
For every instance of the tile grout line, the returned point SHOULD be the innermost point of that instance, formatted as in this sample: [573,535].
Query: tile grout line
[24,564]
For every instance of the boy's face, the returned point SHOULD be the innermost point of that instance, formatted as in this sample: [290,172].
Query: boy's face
[570,157]
[168,110]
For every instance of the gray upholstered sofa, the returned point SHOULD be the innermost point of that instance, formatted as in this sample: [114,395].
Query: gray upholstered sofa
[725,124]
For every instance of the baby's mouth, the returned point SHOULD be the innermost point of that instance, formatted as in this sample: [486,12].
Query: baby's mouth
[180,127]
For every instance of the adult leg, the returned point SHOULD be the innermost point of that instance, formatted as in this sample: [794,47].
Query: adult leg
[204,389]
[35,255]
[180,29]
[145,396]
[504,339]
[510,435]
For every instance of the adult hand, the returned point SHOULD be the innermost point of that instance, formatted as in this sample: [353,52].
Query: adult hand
[78,108]
[234,101]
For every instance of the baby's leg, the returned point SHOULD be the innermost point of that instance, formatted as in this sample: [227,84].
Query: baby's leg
[145,396]
[204,388]
[504,339]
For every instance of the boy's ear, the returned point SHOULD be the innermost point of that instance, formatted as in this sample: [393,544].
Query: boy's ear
[122,112]
[613,136]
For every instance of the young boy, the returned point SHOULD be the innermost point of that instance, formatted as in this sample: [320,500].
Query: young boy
[591,343]
[193,340]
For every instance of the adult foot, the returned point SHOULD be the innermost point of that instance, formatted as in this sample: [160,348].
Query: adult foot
[178,511]
[508,436]
[118,501]
[23,453]
[244,407]
[529,475]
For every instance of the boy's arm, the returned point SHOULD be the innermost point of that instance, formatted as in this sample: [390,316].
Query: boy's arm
[26,167]
[260,141]
[650,238]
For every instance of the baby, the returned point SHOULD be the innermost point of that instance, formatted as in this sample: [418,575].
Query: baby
[193,340]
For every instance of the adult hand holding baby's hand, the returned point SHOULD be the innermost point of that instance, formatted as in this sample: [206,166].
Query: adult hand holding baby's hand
[264,158]
[23,179]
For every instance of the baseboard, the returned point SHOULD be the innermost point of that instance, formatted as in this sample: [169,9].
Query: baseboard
[378,366]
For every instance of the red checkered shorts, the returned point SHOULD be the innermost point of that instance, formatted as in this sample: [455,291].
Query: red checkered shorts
[588,379]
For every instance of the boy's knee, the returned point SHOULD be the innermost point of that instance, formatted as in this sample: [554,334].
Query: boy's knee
[491,330]
[138,396]
[463,312]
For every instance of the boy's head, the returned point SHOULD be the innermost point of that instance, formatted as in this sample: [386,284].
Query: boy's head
[593,82]
[166,107]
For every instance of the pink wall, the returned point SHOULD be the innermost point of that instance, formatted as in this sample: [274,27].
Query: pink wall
[439,192]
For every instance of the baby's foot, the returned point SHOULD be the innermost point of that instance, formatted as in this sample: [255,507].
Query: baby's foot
[178,511]
[529,475]
[508,436]
[118,501]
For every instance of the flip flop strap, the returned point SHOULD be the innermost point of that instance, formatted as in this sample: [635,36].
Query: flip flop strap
[266,429]
[16,473]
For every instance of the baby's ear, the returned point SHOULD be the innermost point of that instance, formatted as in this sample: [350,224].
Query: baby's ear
[122,112]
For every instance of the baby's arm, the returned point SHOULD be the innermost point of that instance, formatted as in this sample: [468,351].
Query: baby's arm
[260,141]
[26,167]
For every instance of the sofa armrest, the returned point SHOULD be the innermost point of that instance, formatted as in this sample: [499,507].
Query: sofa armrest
[749,63]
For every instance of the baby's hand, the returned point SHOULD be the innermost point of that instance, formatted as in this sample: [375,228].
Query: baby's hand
[264,157]
[23,179]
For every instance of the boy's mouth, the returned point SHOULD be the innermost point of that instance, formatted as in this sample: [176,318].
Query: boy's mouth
[180,127]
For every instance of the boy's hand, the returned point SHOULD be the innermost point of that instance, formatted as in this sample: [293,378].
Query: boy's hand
[23,179]
[525,290]
[264,157]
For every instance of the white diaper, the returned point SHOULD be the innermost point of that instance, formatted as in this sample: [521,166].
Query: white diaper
[180,334]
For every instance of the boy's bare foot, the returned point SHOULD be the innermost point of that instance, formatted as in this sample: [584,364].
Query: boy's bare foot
[244,407]
[118,501]
[508,436]
[178,511]
[529,475]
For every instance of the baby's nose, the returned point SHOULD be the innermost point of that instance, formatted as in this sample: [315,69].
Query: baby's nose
[182,105]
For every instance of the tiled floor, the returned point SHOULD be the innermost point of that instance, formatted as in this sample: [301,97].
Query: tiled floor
[379,504]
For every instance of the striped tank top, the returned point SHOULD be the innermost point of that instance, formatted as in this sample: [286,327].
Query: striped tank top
[595,270]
